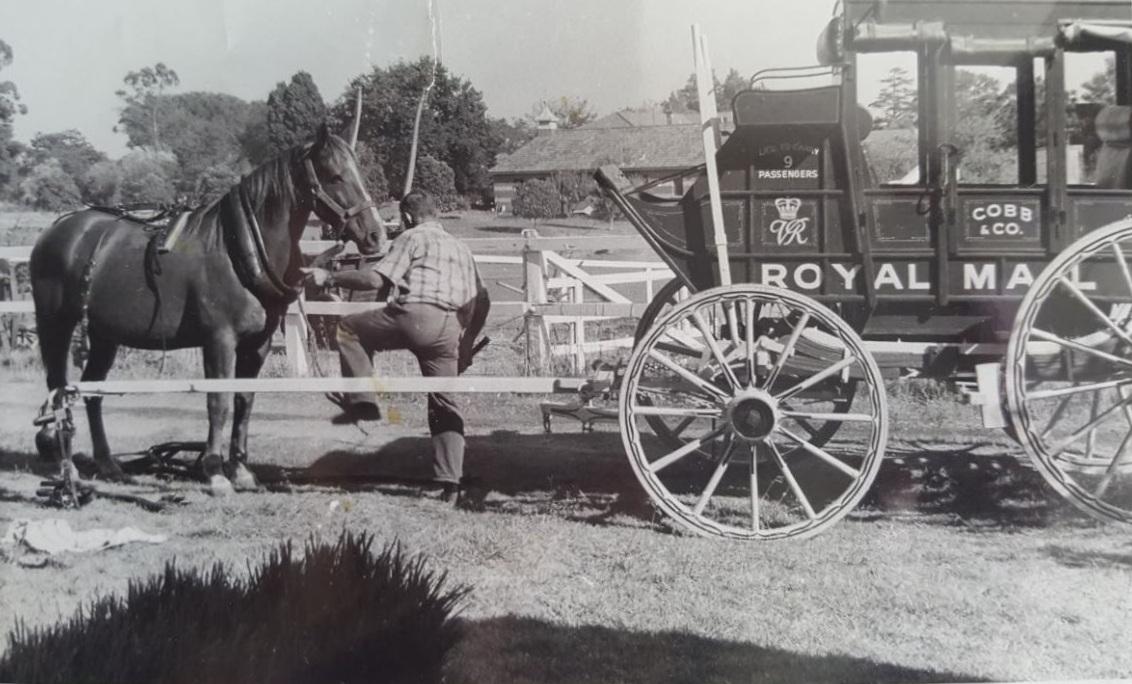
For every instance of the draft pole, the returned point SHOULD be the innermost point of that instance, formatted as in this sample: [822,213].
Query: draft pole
[709,128]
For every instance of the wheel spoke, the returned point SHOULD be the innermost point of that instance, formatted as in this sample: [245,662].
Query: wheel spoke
[716,476]
[682,425]
[821,453]
[750,309]
[816,378]
[715,350]
[688,375]
[754,480]
[1111,472]
[788,349]
[1057,413]
[1050,337]
[683,451]
[1123,265]
[1100,315]
[691,412]
[1077,389]
[1084,429]
[846,417]
[733,323]
[789,475]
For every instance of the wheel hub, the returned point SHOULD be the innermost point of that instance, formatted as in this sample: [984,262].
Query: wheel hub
[753,415]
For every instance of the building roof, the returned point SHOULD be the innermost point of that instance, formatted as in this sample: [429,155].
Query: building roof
[584,149]
[644,117]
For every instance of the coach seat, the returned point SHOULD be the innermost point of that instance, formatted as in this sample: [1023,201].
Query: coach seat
[1114,160]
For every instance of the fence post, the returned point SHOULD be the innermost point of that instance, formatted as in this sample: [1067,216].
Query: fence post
[295,338]
[578,330]
[534,289]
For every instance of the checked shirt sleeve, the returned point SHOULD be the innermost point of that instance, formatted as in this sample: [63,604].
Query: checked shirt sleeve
[395,266]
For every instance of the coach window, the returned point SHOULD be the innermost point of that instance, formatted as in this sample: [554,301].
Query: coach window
[887,88]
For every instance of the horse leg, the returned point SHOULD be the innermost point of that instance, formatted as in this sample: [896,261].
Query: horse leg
[54,349]
[219,362]
[249,360]
[98,363]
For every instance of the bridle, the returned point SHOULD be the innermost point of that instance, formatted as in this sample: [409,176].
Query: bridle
[320,199]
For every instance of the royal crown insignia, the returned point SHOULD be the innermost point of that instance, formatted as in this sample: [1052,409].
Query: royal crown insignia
[788,207]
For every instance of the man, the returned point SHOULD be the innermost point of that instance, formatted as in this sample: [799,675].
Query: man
[437,305]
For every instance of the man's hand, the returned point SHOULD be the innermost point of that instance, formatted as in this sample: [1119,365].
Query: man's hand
[316,275]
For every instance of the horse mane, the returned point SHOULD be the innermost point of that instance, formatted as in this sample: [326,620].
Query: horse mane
[272,184]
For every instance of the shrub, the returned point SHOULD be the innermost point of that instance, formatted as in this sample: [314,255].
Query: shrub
[372,174]
[437,178]
[100,183]
[538,198]
[49,188]
[338,614]
[214,182]
[146,177]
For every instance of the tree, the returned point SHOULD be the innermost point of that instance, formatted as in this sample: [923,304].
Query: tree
[897,100]
[99,185]
[255,144]
[454,128]
[142,109]
[202,130]
[146,177]
[572,112]
[49,188]
[10,107]
[70,148]
[687,98]
[512,134]
[294,112]
[1101,87]
[438,179]
[538,198]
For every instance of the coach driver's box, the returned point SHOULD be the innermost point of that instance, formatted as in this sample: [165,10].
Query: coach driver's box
[810,282]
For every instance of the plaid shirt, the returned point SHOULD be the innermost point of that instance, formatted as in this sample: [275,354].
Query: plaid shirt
[427,265]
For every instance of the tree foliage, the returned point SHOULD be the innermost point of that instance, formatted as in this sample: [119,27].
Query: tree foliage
[454,127]
[897,100]
[512,134]
[571,112]
[438,179]
[10,107]
[294,111]
[49,188]
[538,198]
[141,114]
[70,148]
[687,98]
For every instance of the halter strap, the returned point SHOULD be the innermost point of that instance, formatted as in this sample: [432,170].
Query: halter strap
[318,195]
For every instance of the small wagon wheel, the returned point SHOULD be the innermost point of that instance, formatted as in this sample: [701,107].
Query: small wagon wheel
[743,468]
[1069,373]
[833,399]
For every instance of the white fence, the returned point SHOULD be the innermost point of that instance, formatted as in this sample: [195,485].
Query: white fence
[558,292]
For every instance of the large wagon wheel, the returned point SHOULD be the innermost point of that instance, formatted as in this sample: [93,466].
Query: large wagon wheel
[1069,373]
[743,468]
[837,398]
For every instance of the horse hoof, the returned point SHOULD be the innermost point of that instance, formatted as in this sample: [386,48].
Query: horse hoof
[219,486]
[243,479]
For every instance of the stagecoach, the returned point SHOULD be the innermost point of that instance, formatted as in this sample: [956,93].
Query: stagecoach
[753,404]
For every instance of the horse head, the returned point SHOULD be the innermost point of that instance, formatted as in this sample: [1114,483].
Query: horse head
[338,194]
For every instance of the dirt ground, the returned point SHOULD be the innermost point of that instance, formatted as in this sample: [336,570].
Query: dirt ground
[959,567]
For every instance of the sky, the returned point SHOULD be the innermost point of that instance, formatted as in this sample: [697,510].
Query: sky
[70,55]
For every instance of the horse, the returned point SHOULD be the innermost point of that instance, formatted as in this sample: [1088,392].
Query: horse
[223,285]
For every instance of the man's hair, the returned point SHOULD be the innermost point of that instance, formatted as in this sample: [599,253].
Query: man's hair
[419,204]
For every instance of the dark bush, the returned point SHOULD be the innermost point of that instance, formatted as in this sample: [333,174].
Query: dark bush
[337,614]
[437,178]
[538,198]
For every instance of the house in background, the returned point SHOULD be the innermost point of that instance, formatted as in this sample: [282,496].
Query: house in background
[641,142]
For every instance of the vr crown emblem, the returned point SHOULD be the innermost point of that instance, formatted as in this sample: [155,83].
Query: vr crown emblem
[788,229]
[788,207]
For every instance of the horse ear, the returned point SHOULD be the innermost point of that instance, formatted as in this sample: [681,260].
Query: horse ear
[323,134]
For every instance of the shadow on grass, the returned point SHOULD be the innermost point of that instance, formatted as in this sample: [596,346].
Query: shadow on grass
[519,650]
[1083,558]
[957,486]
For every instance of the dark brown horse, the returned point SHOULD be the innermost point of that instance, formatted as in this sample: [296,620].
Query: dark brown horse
[223,285]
